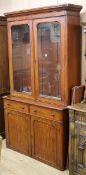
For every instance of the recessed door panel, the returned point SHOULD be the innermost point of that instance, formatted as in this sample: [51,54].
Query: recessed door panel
[47,141]
[18,129]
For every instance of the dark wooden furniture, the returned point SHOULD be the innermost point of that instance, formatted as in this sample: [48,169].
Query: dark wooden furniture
[77,94]
[4,80]
[43,44]
[77,139]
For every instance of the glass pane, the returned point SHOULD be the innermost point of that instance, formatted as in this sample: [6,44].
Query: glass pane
[49,59]
[21,58]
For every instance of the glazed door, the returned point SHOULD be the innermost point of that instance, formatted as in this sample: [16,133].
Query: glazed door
[18,131]
[49,56]
[21,58]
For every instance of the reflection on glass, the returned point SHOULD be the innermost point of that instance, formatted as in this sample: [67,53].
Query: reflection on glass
[49,59]
[21,58]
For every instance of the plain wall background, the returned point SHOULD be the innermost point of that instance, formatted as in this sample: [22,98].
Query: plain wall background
[13,5]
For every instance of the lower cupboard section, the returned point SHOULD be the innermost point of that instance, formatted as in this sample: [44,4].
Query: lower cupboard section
[41,137]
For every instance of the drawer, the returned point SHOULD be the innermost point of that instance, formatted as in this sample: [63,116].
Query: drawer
[16,106]
[45,112]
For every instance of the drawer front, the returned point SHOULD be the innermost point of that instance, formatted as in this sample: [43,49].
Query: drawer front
[16,106]
[45,112]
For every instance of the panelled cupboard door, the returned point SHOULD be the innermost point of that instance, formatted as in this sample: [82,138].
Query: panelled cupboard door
[21,61]
[47,141]
[50,63]
[78,148]
[18,131]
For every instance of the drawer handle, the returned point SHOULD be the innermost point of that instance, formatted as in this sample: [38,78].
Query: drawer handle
[35,111]
[8,104]
[23,108]
[52,115]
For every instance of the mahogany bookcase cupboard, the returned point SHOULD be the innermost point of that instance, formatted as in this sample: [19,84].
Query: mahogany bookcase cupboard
[4,75]
[44,62]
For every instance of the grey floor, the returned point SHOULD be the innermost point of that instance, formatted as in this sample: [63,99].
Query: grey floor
[13,163]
